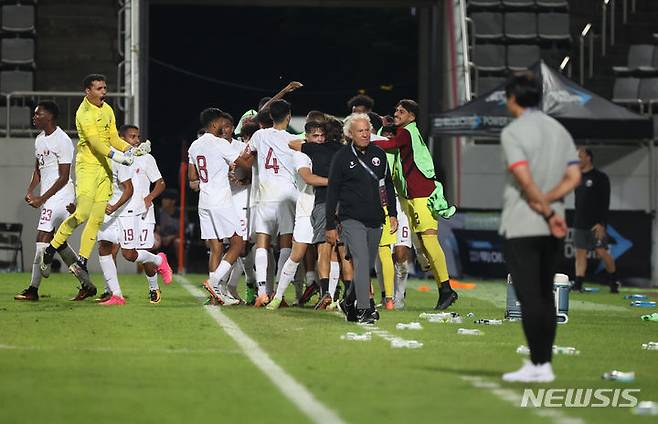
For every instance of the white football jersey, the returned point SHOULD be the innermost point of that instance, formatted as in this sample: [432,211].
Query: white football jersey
[276,170]
[120,174]
[240,192]
[143,172]
[212,156]
[51,151]
[306,197]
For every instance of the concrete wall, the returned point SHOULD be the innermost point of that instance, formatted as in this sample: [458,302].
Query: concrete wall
[483,176]
[16,166]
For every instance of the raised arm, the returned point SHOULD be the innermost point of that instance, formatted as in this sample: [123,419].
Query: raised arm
[292,86]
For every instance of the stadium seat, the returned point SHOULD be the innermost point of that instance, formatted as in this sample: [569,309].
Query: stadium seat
[17,51]
[10,241]
[554,26]
[20,117]
[648,90]
[486,84]
[484,3]
[509,4]
[626,90]
[488,26]
[520,57]
[553,4]
[640,59]
[11,81]
[489,57]
[17,18]
[521,26]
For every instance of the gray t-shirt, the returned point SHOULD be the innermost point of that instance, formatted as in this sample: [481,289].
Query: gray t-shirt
[547,148]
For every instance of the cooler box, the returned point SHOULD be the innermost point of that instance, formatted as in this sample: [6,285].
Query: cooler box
[560,290]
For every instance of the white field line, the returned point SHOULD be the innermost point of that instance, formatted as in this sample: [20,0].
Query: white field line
[514,398]
[298,395]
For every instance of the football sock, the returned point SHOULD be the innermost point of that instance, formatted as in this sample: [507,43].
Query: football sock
[436,257]
[388,272]
[67,254]
[288,271]
[334,274]
[110,274]
[36,272]
[401,276]
[144,256]
[153,282]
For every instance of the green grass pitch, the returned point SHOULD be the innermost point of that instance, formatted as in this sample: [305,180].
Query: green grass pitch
[65,362]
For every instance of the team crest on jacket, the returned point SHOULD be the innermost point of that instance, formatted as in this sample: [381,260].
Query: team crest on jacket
[376,161]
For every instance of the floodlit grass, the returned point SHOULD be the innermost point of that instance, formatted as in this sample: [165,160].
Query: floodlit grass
[65,362]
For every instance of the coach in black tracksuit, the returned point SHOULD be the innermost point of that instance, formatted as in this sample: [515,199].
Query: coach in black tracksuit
[359,187]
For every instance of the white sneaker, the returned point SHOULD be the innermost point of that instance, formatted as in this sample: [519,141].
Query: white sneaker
[399,304]
[530,373]
[226,297]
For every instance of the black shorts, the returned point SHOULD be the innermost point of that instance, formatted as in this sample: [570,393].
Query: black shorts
[319,223]
[585,239]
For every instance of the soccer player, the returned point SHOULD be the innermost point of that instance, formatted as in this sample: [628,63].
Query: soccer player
[130,223]
[303,233]
[416,180]
[360,104]
[54,154]
[277,193]
[592,205]
[210,157]
[97,130]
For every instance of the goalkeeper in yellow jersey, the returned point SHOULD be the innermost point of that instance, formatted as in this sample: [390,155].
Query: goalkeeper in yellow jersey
[99,142]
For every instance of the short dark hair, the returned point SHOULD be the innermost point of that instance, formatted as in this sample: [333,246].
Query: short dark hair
[50,107]
[262,102]
[312,125]
[279,109]
[375,120]
[334,129]
[588,152]
[389,128]
[264,119]
[360,100]
[316,115]
[123,129]
[525,89]
[229,117]
[89,79]
[410,106]
[248,129]
[208,115]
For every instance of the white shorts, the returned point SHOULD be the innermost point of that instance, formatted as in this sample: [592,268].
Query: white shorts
[136,232]
[275,218]
[303,232]
[243,216]
[52,215]
[404,232]
[111,231]
[219,223]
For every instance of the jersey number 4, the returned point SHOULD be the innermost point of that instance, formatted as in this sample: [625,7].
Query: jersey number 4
[202,166]
[271,162]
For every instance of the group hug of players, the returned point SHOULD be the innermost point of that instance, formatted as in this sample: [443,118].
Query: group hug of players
[262,204]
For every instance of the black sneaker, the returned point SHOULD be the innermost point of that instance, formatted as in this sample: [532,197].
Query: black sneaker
[365,316]
[348,311]
[309,293]
[615,286]
[29,294]
[446,298]
[79,269]
[84,293]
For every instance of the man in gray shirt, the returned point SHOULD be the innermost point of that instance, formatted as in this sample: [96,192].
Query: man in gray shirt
[542,161]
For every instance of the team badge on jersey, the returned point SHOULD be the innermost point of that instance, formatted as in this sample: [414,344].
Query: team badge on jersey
[376,161]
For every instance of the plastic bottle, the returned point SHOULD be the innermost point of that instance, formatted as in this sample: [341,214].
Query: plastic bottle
[636,297]
[565,350]
[523,350]
[488,321]
[356,337]
[643,304]
[469,331]
[650,346]
[646,408]
[410,326]
[622,377]
[470,315]
[591,289]
[408,344]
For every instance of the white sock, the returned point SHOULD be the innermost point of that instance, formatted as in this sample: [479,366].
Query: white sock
[248,264]
[109,269]
[224,281]
[288,271]
[260,262]
[222,271]
[334,274]
[284,254]
[36,272]
[146,257]
[401,275]
[271,273]
[68,255]
[153,282]
[311,277]
[236,273]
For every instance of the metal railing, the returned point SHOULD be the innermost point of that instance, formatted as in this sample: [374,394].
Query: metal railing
[565,65]
[68,102]
[586,34]
[466,46]
[605,6]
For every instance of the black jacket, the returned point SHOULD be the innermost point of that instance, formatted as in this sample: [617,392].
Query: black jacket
[354,191]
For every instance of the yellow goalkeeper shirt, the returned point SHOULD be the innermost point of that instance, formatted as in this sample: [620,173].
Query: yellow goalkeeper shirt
[97,131]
